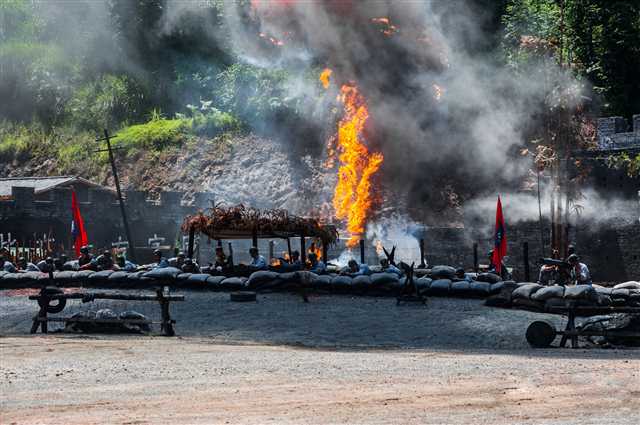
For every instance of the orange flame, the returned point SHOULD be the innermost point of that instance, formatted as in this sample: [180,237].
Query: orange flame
[352,195]
[325,76]
[316,249]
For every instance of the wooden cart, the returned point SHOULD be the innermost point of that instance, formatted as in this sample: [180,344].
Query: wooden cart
[540,334]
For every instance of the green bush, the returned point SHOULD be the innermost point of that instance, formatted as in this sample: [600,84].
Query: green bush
[156,134]
[107,102]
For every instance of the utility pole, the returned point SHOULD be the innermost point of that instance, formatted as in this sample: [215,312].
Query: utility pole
[131,250]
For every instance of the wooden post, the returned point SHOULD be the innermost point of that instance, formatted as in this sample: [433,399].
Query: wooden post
[270,251]
[303,250]
[192,234]
[325,251]
[362,251]
[422,263]
[475,257]
[254,237]
[525,258]
[167,323]
[230,257]
[289,248]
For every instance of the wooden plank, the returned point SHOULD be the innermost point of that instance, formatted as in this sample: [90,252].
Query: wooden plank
[105,296]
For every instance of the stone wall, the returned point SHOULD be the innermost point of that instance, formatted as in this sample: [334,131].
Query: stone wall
[24,215]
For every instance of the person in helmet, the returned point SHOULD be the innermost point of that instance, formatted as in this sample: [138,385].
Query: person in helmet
[161,262]
[579,271]
[190,266]
[46,265]
[104,261]
[26,266]
[85,256]
[124,264]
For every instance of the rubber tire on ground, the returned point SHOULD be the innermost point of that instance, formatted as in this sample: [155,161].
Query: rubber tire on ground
[56,308]
[540,334]
[243,296]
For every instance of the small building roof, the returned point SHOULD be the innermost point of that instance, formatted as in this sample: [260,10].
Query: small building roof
[44,184]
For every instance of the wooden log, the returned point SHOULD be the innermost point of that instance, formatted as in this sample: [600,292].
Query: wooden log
[106,296]
[362,251]
[303,250]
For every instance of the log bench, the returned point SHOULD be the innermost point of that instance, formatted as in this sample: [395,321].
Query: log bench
[49,294]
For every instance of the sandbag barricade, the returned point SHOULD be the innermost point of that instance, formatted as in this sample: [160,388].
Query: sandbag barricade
[527,295]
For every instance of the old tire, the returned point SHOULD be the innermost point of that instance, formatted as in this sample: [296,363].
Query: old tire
[60,304]
[242,296]
[540,334]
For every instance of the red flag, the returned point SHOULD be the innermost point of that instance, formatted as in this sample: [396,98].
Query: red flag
[500,240]
[77,226]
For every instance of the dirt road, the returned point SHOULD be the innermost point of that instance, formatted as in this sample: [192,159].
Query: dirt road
[139,380]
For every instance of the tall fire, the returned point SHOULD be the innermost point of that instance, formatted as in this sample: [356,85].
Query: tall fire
[352,196]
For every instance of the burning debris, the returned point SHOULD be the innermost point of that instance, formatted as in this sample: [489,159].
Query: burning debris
[241,219]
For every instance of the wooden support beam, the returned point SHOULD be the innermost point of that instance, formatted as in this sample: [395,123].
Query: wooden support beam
[362,251]
[303,250]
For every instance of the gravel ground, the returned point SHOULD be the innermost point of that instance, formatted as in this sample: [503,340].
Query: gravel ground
[337,359]
[327,321]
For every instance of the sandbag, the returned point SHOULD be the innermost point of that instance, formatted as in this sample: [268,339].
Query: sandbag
[628,285]
[65,277]
[198,280]
[383,279]
[361,281]
[461,288]
[84,274]
[525,291]
[260,277]
[341,284]
[443,272]
[2,273]
[440,287]
[528,304]
[165,273]
[322,282]
[620,293]
[497,287]
[183,277]
[603,300]
[603,291]
[498,300]
[215,282]
[423,284]
[118,277]
[72,265]
[135,276]
[480,289]
[488,277]
[234,283]
[100,277]
[579,292]
[547,292]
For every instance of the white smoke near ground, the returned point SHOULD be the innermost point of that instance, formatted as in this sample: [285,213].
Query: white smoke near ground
[592,209]
[397,231]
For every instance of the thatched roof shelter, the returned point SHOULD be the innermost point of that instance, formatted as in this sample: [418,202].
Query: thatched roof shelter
[240,222]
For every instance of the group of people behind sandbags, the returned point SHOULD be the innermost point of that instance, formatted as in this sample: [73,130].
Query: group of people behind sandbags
[568,272]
